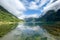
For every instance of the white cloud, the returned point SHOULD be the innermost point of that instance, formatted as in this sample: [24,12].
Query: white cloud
[13,6]
[54,6]
[17,7]
[33,5]
[32,15]
[27,16]
[22,16]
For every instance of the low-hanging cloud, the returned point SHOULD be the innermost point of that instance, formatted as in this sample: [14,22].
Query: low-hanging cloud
[13,6]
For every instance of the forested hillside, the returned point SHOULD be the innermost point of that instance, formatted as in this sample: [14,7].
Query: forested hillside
[50,16]
[5,16]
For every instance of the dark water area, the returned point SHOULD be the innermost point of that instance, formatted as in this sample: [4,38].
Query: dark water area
[30,31]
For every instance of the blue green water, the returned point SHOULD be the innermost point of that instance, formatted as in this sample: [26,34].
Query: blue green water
[30,31]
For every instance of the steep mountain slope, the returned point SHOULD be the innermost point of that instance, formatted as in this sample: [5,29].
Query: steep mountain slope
[5,16]
[51,15]
[51,12]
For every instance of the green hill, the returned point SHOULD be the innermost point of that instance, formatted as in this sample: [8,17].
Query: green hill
[5,16]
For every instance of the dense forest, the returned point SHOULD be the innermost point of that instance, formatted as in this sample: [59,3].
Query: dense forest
[5,16]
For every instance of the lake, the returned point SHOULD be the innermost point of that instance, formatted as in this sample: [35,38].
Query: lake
[30,31]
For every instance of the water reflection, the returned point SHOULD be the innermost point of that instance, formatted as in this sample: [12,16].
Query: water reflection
[51,27]
[5,28]
[30,31]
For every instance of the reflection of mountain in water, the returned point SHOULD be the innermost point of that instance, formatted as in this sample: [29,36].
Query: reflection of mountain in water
[6,28]
[50,21]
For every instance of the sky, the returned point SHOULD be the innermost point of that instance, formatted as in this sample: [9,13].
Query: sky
[25,8]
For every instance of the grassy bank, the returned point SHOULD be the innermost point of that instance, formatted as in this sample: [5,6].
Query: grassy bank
[7,21]
[6,16]
[5,28]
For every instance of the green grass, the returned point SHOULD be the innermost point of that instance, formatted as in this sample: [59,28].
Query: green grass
[5,16]
[7,21]
[5,28]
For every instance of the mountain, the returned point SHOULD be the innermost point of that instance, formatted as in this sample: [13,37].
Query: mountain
[30,19]
[51,13]
[5,16]
[54,6]
[50,16]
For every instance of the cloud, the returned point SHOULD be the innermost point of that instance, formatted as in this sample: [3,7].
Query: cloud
[15,7]
[28,16]
[54,6]
[32,15]
[33,5]
[41,4]
[22,16]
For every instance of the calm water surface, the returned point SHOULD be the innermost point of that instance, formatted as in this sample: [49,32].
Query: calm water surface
[29,31]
